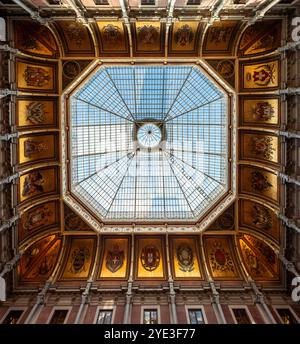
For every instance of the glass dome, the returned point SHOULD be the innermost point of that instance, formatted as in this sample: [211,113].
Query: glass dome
[149,142]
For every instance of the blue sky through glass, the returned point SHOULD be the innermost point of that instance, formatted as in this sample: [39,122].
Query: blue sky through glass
[178,179]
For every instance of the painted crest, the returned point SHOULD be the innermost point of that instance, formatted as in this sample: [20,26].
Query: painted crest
[111,33]
[262,146]
[71,69]
[262,75]
[263,111]
[220,258]
[226,68]
[184,35]
[259,182]
[33,147]
[261,217]
[150,258]
[75,32]
[115,259]
[220,34]
[33,183]
[36,76]
[78,259]
[37,218]
[148,34]
[185,258]
[35,112]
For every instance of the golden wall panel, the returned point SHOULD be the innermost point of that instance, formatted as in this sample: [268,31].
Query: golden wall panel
[259,75]
[80,258]
[260,38]
[36,77]
[76,38]
[258,217]
[220,258]
[36,113]
[115,258]
[259,266]
[38,183]
[259,182]
[37,147]
[113,37]
[257,146]
[260,111]
[39,260]
[219,38]
[184,37]
[34,39]
[148,37]
[185,257]
[38,219]
[149,258]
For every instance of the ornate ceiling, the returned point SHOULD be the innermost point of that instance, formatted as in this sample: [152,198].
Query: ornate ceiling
[241,239]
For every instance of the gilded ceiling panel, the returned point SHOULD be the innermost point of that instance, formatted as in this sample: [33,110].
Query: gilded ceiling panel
[38,219]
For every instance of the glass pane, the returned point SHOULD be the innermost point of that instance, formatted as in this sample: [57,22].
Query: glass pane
[12,317]
[286,316]
[59,316]
[105,317]
[150,317]
[241,316]
[196,316]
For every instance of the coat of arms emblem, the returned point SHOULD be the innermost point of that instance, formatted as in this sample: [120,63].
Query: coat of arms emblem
[114,259]
[37,218]
[148,34]
[78,259]
[185,258]
[184,35]
[37,77]
[111,33]
[35,112]
[263,111]
[150,258]
[33,147]
[263,75]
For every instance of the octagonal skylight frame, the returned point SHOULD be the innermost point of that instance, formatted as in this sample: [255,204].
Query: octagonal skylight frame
[79,205]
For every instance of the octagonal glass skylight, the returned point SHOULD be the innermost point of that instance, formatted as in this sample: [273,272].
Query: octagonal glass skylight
[149,142]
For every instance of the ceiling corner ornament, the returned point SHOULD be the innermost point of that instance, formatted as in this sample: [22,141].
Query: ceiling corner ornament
[150,258]
[226,68]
